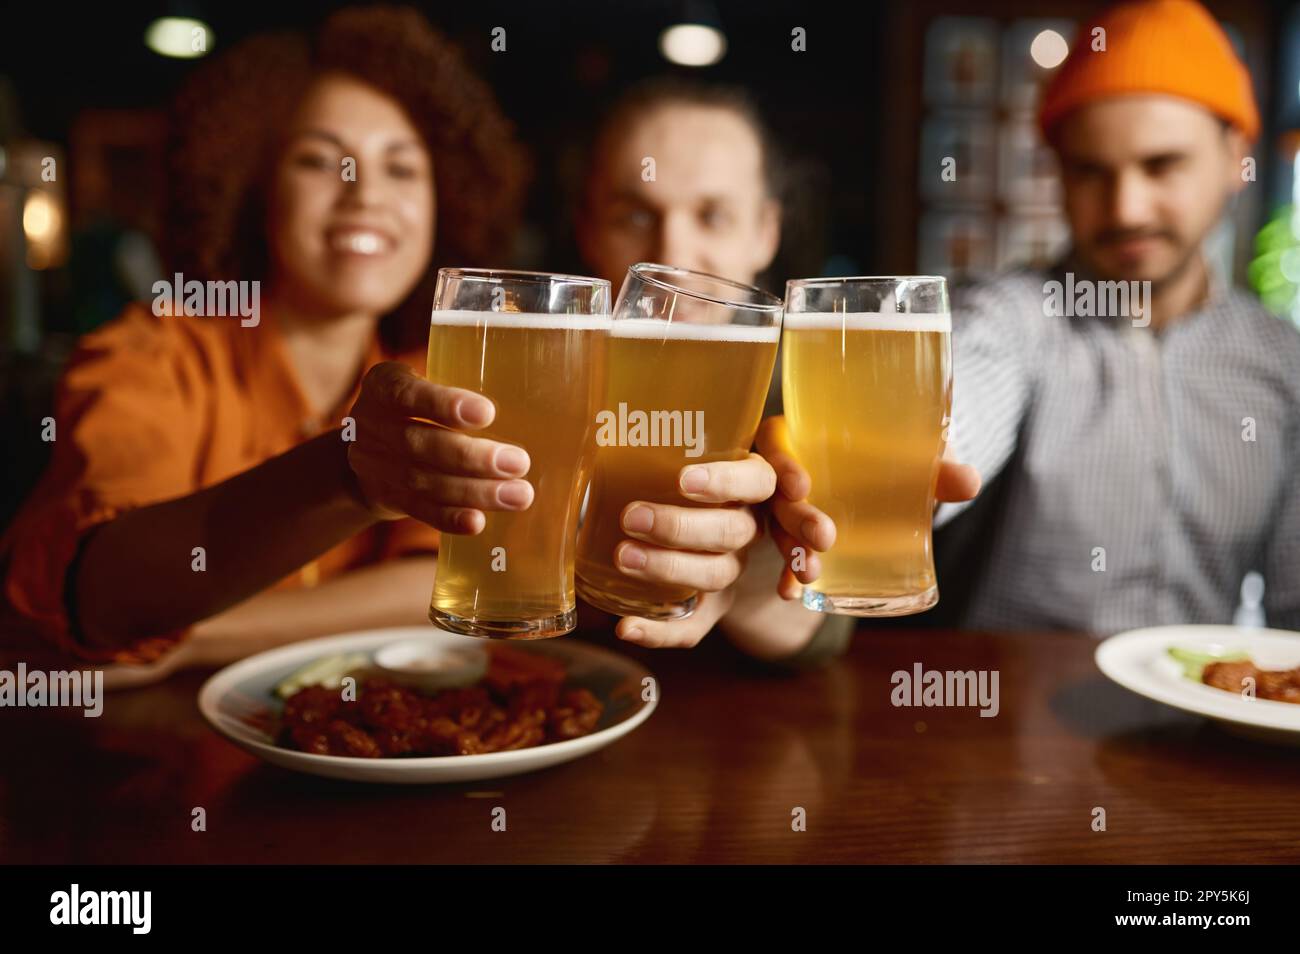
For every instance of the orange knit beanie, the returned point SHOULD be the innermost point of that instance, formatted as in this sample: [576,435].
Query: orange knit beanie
[1170,47]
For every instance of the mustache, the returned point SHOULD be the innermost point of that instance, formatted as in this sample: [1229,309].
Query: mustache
[1118,236]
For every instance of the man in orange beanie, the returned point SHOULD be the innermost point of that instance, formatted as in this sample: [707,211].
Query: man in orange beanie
[1140,416]
[1151,116]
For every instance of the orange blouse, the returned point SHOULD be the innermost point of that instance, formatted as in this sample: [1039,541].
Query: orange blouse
[153,408]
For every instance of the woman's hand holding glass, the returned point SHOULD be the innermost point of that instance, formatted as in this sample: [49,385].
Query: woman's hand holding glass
[414,453]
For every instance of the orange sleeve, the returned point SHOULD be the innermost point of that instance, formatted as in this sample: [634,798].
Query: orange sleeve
[128,429]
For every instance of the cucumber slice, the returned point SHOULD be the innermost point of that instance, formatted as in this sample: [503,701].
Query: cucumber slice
[1194,661]
[327,671]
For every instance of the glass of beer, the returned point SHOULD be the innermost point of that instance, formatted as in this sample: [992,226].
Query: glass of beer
[867,386]
[535,344]
[690,360]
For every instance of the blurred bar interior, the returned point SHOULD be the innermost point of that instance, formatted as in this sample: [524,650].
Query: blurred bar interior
[883,93]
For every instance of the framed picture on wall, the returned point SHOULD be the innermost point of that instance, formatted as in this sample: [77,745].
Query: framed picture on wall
[961,62]
[958,157]
[956,244]
[1027,169]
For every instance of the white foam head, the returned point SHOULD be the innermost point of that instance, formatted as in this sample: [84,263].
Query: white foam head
[867,321]
[517,319]
[659,330]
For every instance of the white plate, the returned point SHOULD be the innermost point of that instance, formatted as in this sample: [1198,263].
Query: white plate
[1139,660]
[238,703]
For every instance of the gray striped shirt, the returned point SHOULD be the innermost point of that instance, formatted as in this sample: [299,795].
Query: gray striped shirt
[1136,495]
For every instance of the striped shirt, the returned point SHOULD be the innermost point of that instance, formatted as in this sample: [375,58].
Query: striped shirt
[1148,472]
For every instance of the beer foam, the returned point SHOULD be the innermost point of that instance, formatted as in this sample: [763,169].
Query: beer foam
[693,331]
[518,319]
[868,321]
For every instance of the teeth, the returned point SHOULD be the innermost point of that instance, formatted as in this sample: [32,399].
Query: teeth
[360,243]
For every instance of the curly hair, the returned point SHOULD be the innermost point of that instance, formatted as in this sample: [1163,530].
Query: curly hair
[226,118]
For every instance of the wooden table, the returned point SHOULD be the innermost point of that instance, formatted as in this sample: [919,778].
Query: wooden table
[713,776]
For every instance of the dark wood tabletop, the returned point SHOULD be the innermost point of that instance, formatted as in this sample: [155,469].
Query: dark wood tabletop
[715,775]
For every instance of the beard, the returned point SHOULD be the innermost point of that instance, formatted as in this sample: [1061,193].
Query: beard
[1185,258]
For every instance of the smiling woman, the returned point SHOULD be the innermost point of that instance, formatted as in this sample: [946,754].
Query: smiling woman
[203,500]
[259,128]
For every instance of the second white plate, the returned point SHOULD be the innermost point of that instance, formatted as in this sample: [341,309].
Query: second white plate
[1139,660]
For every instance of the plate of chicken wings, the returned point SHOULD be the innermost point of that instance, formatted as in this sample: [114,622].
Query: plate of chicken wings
[421,705]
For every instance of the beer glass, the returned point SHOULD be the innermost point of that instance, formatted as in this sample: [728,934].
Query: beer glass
[690,360]
[535,344]
[867,386]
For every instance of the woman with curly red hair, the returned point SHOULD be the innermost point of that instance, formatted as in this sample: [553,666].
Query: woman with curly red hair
[199,491]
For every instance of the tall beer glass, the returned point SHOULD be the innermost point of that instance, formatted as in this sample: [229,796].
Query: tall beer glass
[535,344]
[867,384]
[690,361]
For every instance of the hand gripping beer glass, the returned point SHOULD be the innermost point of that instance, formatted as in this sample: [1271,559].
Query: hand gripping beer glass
[690,361]
[535,344]
[867,387]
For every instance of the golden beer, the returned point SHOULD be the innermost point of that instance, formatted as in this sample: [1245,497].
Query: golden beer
[867,399]
[545,373]
[678,394]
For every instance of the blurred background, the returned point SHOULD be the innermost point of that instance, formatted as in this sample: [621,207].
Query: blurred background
[881,94]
